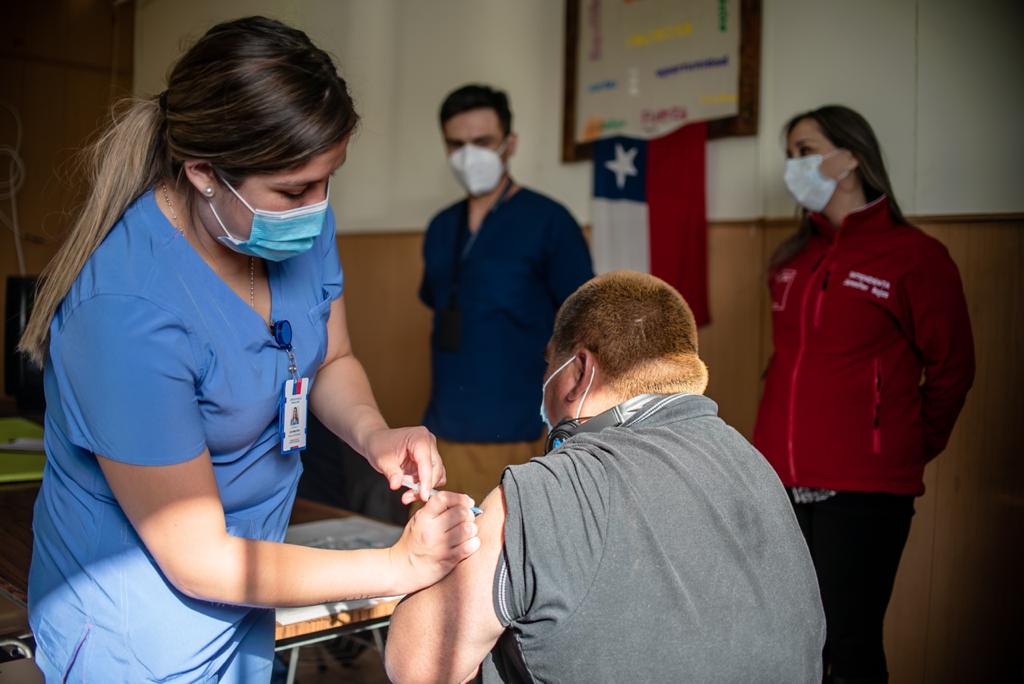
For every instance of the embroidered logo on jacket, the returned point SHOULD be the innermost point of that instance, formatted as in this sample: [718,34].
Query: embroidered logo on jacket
[865,283]
[780,294]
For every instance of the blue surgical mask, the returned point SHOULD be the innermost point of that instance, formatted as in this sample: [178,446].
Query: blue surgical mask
[277,235]
[544,387]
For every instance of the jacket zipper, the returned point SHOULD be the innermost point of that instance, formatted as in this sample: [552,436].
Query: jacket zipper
[821,297]
[791,417]
[876,430]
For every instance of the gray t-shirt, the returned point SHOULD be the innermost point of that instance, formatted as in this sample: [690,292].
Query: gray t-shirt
[664,550]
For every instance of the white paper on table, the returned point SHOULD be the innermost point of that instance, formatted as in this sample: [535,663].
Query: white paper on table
[26,444]
[338,533]
[289,616]
[353,532]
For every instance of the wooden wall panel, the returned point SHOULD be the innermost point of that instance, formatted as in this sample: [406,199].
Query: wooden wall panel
[388,325]
[729,344]
[975,595]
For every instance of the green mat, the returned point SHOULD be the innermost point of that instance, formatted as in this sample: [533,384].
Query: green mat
[20,466]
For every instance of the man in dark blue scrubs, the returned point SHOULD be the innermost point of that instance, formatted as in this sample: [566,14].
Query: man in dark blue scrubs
[497,265]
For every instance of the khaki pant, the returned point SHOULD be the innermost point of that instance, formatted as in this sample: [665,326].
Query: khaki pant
[475,468]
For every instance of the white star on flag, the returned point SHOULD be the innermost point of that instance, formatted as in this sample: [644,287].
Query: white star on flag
[622,166]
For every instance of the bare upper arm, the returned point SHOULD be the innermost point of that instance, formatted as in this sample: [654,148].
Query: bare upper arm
[175,509]
[338,342]
[443,632]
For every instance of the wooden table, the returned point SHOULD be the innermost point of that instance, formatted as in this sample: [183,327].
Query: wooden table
[16,502]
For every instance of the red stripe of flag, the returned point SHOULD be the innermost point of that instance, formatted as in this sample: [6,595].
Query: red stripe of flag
[677,223]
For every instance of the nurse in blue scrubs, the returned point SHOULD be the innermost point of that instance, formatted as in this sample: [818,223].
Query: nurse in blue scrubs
[195,307]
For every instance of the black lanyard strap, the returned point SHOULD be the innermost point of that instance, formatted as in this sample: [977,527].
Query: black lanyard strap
[465,238]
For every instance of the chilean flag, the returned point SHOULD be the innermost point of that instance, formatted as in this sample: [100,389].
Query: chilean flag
[648,211]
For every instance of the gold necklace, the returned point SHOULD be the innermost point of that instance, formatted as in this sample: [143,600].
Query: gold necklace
[252,262]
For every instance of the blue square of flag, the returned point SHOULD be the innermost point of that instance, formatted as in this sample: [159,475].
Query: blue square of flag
[620,168]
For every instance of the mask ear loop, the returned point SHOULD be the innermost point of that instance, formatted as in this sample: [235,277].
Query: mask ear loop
[222,226]
[846,172]
[579,409]
[231,237]
[552,376]
[235,193]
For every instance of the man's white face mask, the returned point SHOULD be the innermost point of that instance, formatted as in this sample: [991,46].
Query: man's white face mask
[478,169]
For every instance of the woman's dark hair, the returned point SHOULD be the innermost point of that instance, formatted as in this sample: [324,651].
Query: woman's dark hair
[848,130]
[251,96]
[475,96]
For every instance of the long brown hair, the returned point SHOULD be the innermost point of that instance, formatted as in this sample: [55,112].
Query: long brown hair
[251,96]
[846,129]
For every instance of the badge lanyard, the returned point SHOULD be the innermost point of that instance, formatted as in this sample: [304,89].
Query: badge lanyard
[449,319]
[291,419]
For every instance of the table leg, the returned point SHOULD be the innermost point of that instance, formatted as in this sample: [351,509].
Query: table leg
[293,664]
[378,639]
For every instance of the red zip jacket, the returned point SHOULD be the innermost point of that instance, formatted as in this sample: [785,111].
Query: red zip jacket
[873,357]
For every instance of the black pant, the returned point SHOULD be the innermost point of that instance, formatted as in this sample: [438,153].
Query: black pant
[856,540]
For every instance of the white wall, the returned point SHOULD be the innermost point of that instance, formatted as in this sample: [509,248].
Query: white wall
[938,79]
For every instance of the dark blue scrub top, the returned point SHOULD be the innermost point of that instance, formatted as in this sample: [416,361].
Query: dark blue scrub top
[526,258]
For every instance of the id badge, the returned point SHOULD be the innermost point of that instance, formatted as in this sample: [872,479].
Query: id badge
[449,329]
[292,415]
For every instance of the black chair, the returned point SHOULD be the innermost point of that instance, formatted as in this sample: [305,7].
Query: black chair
[22,379]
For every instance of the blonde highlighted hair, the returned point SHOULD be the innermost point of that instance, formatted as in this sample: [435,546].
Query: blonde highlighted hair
[251,96]
[640,330]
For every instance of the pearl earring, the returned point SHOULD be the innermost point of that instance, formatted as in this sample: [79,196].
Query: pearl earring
[208,191]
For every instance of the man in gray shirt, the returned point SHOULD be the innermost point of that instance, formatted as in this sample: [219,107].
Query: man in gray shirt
[653,544]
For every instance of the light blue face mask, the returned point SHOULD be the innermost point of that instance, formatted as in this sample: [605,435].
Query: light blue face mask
[544,387]
[277,235]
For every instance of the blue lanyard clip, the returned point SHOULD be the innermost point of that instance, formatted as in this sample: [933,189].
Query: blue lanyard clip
[282,331]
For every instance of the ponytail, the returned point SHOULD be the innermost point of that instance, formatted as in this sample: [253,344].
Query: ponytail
[127,159]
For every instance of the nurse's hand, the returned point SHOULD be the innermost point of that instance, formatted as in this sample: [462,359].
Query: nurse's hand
[407,451]
[441,534]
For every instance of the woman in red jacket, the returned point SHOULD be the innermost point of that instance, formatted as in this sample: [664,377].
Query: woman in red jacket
[873,359]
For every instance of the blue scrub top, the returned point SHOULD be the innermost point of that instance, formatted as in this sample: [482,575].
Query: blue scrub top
[527,257]
[153,358]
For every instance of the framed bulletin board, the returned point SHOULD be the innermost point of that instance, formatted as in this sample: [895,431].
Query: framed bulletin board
[645,67]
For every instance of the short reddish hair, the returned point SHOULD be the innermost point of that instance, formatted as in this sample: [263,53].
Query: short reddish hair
[639,328]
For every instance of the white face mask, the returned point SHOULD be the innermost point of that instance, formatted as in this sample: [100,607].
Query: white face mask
[807,184]
[478,169]
[544,387]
